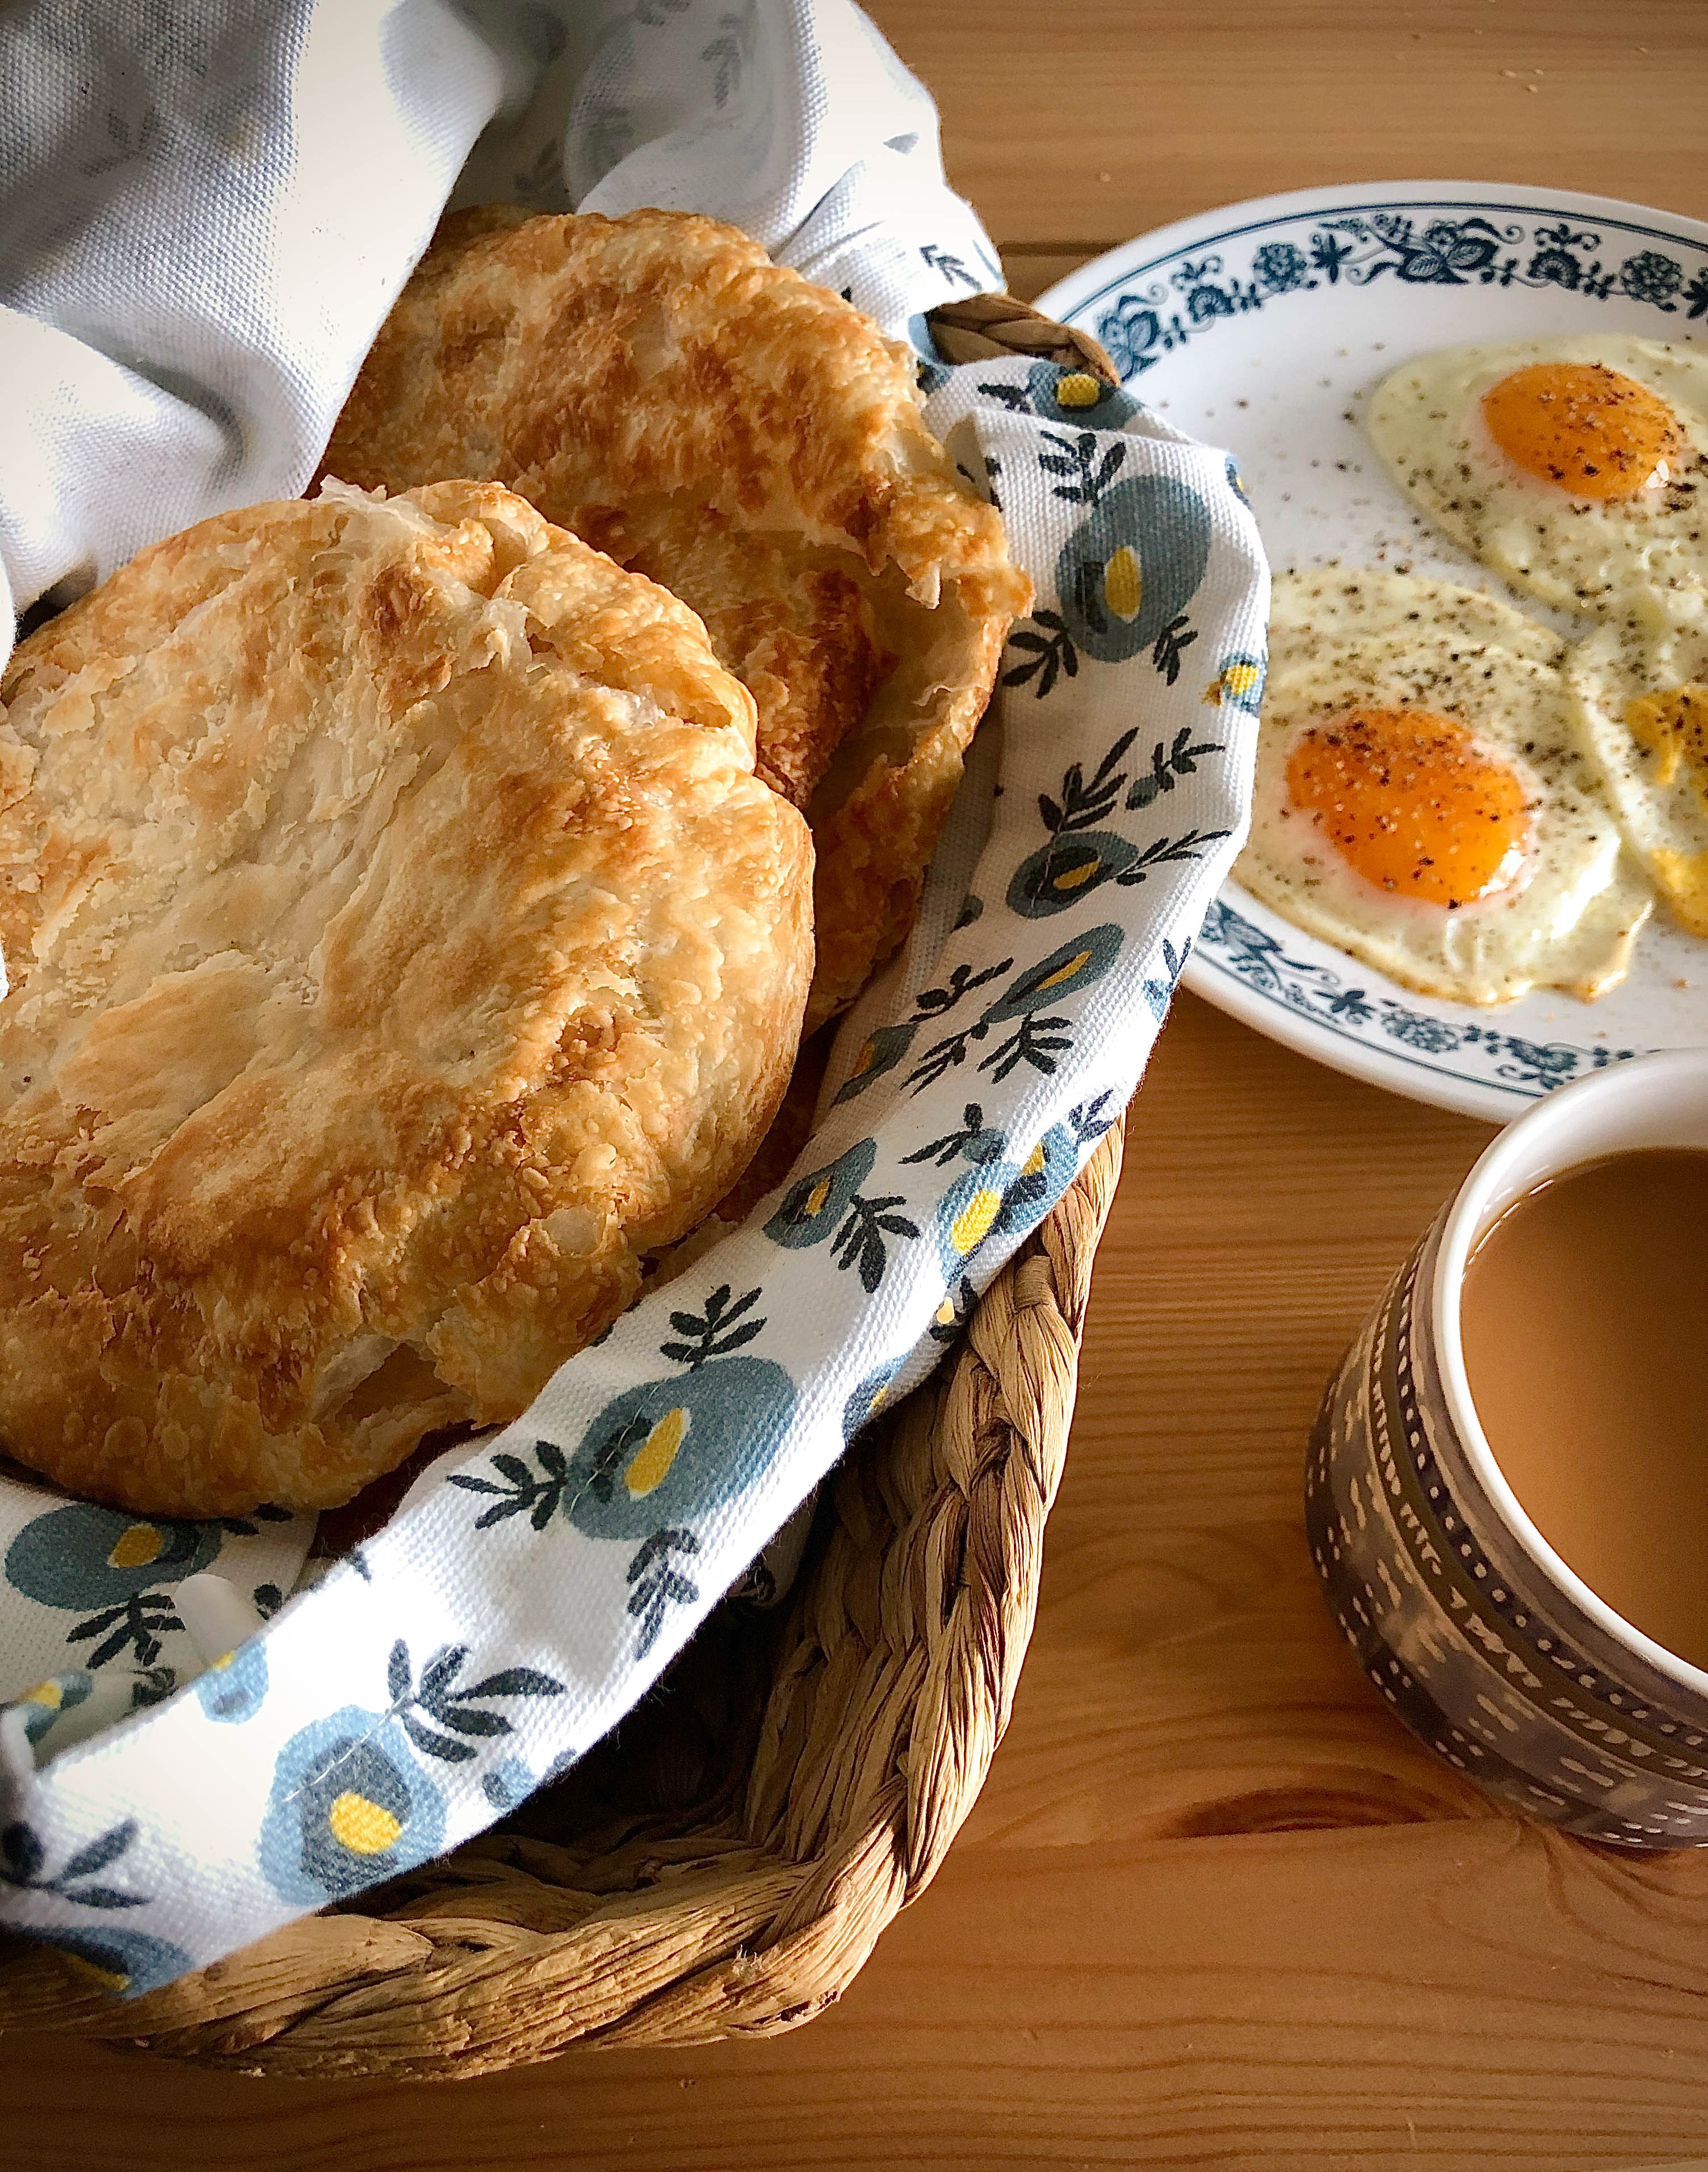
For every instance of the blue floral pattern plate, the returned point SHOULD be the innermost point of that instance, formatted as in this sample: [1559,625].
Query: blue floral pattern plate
[1265,327]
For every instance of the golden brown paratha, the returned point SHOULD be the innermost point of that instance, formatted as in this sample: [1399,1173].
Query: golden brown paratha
[753,442]
[401,946]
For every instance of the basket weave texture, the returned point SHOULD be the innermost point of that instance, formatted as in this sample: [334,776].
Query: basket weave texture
[724,1864]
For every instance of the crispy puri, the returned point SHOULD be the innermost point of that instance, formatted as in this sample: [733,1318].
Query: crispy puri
[401,946]
[753,442]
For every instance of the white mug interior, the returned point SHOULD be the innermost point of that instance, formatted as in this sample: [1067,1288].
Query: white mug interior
[1659,1100]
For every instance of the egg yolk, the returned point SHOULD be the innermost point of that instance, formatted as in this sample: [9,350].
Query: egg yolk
[1412,803]
[1674,726]
[1587,428]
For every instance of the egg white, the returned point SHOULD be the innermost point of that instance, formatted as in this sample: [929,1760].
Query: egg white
[1340,640]
[1575,554]
[1652,647]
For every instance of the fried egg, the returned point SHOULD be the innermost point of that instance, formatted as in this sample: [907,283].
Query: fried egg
[1576,468]
[1423,799]
[1639,684]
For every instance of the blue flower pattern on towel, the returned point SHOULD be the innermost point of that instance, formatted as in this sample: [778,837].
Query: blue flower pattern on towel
[350,1804]
[235,1683]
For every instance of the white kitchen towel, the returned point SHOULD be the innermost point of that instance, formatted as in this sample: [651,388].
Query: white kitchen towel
[222,202]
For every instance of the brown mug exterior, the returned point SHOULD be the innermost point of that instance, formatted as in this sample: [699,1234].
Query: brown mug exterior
[1485,1658]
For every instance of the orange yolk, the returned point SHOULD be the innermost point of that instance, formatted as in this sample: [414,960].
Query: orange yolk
[1674,726]
[1411,803]
[1583,426]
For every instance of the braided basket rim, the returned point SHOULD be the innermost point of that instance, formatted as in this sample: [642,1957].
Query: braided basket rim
[893,1683]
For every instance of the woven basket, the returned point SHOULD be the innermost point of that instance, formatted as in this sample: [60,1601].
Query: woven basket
[722,1864]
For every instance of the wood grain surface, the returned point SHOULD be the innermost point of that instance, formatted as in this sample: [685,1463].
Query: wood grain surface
[1215,1908]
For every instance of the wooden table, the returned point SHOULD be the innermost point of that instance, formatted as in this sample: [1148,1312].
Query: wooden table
[1216,1908]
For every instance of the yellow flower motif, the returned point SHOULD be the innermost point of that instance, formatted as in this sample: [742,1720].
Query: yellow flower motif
[1240,679]
[1236,682]
[657,1453]
[111,1980]
[1078,388]
[1068,970]
[136,1547]
[1124,583]
[1071,877]
[972,1225]
[364,1828]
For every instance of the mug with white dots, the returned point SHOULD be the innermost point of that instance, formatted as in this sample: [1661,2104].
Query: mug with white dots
[1482,1639]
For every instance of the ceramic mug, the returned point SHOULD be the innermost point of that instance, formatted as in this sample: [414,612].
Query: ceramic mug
[1473,1628]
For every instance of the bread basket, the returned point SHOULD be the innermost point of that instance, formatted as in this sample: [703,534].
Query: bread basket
[723,1865]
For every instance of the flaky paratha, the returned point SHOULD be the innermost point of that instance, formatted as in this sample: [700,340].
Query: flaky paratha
[401,946]
[658,384]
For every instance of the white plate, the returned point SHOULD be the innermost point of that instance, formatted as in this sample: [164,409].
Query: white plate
[1265,327]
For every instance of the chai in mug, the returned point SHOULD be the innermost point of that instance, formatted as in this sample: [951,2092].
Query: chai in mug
[1584,1320]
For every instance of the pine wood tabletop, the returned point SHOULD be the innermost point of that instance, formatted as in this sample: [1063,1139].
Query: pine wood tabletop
[1215,1907]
